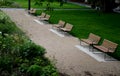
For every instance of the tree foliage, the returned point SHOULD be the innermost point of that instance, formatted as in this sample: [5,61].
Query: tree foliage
[40,2]
[104,5]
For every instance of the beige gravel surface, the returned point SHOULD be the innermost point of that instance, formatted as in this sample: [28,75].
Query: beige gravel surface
[62,50]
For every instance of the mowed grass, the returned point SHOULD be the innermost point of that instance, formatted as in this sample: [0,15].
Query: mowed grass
[24,4]
[106,25]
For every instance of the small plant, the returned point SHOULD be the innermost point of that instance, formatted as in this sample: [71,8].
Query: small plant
[42,70]
[6,63]
[30,50]
[5,2]
[39,2]
[15,5]
[6,44]
[6,25]
[50,70]
[23,67]
[3,17]
[42,61]
[35,70]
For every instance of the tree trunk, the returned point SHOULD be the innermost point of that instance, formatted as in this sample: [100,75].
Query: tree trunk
[29,6]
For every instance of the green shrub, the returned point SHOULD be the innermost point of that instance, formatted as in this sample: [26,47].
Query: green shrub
[49,70]
[7,43]
[17,62]
[42,61]
[6,63]
[5,2]
[1,39]
[23,67]
[38,61]
[6,25]
[30,50]
[9,3]
[19,56]
[35,70]
[7,28]
[3,17]
[15,5]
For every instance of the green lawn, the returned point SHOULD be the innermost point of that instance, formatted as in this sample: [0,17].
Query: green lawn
[106,25]
[24,4]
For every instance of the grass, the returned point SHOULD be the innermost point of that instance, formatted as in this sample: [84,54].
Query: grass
[24,4]
[106,25]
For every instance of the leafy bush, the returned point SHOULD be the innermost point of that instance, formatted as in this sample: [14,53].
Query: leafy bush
[6,25]
[9,3]
[23,67]
[6,44]
[3,17]
[15,5]
[35,70]
[19,56]
[8,29]
[5,2]
[49,70]
[30,50]
[6,63]
[42,61]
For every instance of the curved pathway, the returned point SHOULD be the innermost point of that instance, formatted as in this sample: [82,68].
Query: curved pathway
[62,50]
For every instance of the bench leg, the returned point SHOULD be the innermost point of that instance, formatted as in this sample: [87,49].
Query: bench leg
[105,57]
[81,42]
[91,47]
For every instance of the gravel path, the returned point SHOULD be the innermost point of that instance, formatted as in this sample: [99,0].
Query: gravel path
[62,50]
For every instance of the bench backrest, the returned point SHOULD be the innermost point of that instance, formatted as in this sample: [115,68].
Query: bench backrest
[94,38]
[68,26]
[47,16]
[110,45]
[34,10]
[61,23]
[43,14]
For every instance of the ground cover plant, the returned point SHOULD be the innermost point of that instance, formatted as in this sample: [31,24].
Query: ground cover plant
[106,25]
[19,56]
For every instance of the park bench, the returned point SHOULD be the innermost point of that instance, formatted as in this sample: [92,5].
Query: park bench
[32,11]
[106,47]
[68,27]
[42,15]
[91,40]
[60,24]
[46,18]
